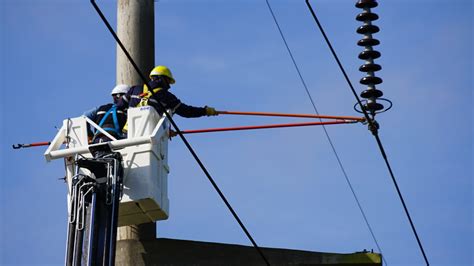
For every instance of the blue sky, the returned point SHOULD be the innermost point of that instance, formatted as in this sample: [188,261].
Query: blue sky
[58,60]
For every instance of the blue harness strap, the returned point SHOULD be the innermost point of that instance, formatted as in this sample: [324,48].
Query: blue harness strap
[113,111]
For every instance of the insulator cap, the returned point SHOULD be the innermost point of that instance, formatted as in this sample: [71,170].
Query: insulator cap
[370,67]
[368,42]
[366,3]
[369,54]
[366,16]
[369,80]
[371,93]
[373,106]
[366,29]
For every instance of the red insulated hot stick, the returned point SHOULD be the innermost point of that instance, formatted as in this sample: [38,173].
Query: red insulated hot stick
[359,119]
[35,144]
[263,127]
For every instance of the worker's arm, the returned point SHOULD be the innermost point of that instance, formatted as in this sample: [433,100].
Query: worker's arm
[189,111]
[170,101]
[92,115]
[126,100]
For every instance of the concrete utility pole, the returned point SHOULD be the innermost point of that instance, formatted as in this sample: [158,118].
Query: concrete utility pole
[136,30]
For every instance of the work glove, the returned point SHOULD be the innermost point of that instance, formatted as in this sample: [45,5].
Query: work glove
[210,111]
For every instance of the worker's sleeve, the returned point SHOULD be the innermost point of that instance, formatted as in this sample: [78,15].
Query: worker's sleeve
[92,115]
[170,101]
[190,111]
[124,102]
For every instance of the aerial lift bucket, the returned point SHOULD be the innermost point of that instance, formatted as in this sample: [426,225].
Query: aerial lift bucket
[145,162]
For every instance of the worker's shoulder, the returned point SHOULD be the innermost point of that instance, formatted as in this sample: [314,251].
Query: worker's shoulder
[136,88]
[104,107]
[166,93]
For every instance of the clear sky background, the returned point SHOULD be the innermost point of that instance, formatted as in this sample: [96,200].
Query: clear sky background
[58,60]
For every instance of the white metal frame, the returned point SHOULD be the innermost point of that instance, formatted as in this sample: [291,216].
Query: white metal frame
[55,151]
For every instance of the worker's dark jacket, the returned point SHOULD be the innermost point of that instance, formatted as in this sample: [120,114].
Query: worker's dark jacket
[167,99]
[108,124]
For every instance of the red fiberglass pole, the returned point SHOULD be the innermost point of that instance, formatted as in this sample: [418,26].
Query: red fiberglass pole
[359,119]
[264,127]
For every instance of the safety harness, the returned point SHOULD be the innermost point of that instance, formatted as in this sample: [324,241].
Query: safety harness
[116,129]
[146,95]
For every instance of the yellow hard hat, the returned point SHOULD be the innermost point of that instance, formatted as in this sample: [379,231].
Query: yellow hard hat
[162,71]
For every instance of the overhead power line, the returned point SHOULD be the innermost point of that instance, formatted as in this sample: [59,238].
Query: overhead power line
[341,166]
[178,131]
[374,132]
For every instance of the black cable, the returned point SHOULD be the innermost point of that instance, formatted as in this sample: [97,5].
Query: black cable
[339,64]
[201,165]
[326,132]
[375,133]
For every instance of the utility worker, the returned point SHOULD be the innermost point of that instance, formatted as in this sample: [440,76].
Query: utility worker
[160,81]
[111,117]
